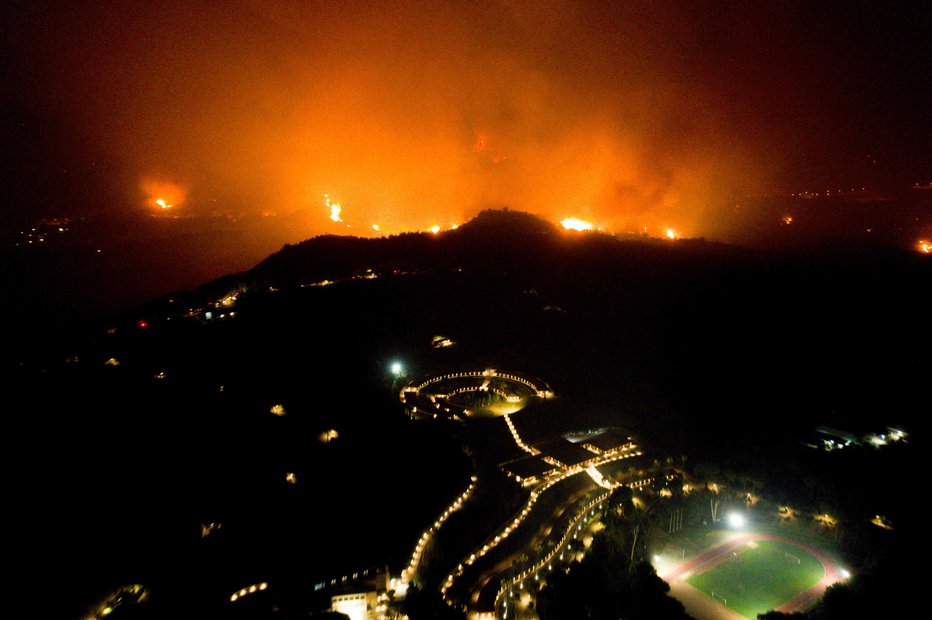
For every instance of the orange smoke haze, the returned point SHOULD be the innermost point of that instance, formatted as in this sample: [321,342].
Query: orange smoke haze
[409,115]
[630,116]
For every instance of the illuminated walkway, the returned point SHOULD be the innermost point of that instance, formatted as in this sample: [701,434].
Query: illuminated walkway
[475,607]
[517,437]
[426,537]
[545,564]
[597,477]
[477,589]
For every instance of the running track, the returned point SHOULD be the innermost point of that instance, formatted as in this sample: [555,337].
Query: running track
[725,551]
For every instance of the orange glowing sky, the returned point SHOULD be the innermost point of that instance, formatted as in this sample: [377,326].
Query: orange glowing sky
[411,120]
[412,115]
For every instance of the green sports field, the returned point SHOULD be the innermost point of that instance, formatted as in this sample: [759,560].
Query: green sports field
[760,578]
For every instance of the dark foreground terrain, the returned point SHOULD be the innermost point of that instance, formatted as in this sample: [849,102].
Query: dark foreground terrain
[697,348]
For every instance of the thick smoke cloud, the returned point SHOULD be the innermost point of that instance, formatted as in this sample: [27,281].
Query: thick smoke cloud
[632,115]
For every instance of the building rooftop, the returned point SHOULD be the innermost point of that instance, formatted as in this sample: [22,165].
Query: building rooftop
[527,467]
[564,451]
[608,440]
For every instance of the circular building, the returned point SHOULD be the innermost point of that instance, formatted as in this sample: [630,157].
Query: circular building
[477,393]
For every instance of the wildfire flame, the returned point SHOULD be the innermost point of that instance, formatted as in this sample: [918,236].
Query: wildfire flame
[574,223]
[163,195]
[925,246]
[787,219]
[671,234]
[335,208]
[435,229]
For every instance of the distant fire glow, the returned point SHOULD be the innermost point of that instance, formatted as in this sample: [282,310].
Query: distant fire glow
[163,196]
[574,223]
[671,234]
[435,229]
[335,208]
[787,219]
[376,228]
[925,246]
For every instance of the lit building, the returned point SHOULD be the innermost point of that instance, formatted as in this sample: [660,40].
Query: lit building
[356,605]
[362,595]
[359,605]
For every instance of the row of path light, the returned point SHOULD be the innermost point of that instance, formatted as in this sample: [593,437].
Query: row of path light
[425,538]
[572,532]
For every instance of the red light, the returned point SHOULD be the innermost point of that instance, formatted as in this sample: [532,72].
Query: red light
[142,324]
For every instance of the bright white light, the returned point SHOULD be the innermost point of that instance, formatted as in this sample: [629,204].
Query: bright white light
[435,229]
[736,520]
[397,368]
[844,573]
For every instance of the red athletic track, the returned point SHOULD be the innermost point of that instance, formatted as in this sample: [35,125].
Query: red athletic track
[723,552]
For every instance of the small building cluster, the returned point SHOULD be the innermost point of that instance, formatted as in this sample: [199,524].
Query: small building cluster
[559,454]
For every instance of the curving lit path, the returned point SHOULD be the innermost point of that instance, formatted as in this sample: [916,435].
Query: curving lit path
[554,501]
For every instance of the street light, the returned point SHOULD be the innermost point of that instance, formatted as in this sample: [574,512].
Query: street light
[736,520]
[397,369]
